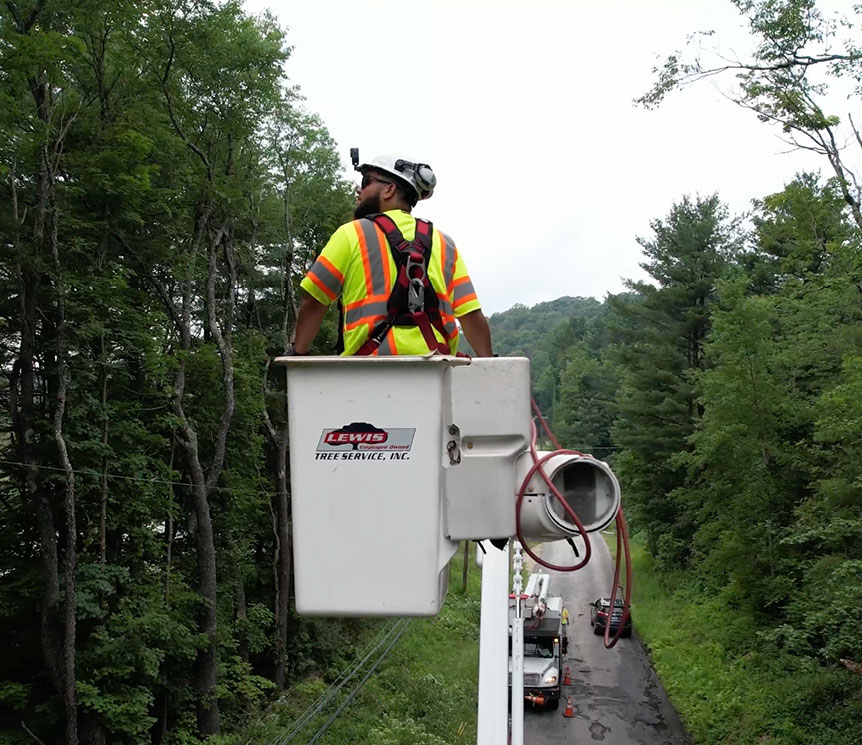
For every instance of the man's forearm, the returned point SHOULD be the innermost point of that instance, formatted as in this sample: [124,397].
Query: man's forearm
[478,333]
[311,313]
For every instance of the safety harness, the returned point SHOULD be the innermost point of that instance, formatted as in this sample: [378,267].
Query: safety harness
[413,300]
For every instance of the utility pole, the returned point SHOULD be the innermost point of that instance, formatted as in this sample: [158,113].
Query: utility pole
[517,650]
[493,718]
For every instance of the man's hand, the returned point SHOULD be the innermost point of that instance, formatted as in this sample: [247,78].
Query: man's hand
[478,333]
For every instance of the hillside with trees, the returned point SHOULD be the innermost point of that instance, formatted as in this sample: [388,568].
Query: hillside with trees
[722,390]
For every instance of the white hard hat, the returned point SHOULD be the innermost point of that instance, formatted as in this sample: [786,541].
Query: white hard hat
[418,175]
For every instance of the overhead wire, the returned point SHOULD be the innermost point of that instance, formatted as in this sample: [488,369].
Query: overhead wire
[343,677]
[380,639]
[137,479]
[359,686]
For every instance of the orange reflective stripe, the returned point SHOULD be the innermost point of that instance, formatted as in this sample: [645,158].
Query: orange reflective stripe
[378,257]
[332,268]
[449,266]
[325,275]
[448,319]
[466,299]
[363,252]
[384,258]
[444,306]
[387,346]
[323,288]
[365,312]
[375,256]
[462,291]
[370,321]
[444,253]
[369,299]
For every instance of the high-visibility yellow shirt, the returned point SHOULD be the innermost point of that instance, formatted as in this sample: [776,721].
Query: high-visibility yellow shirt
[357,265]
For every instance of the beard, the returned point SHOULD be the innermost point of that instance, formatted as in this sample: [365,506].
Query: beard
[368,206]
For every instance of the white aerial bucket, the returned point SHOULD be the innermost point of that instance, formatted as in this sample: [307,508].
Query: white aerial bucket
[393,460]
[369,447]
[491,408]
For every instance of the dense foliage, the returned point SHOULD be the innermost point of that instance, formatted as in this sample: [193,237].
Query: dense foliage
[163,188]
[728,689]
[725,392]
[424,692]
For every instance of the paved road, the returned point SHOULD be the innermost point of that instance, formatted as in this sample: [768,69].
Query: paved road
[616,696]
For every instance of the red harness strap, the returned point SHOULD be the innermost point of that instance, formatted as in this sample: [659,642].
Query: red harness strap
[413,300]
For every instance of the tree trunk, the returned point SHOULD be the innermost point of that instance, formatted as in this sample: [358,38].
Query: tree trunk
[206,663]
[466,566]
[206,673]
[103,481]
[283,556]
[169,531]
[22,403]
[242,616]
[57,629]
[281,529]
[206,668]
[93,731]
[24,415]
[70,699]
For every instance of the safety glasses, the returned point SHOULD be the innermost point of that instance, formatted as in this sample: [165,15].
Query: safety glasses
[368,178]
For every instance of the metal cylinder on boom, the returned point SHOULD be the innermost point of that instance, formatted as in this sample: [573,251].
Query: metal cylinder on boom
[588,485]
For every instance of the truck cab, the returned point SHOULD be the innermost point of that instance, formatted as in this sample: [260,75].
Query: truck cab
[543,649]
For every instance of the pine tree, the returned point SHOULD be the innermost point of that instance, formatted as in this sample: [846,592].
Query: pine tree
[663,329]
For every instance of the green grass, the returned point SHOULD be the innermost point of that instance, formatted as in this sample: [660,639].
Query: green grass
[729,685]
[424,693]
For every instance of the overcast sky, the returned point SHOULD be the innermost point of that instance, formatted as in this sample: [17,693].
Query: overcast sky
[547,172]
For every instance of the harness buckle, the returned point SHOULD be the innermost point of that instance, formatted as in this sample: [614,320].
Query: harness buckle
[416,280]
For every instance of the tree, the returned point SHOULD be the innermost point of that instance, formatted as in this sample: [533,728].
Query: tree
[214,102]
[584,410]
[796,231]
[143,280]
[776,352]
[33,89]
[786,79]
[663,332]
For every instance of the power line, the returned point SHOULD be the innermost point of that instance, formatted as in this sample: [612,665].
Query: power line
[391,633]
[337,684]
[359,686]
[138,479]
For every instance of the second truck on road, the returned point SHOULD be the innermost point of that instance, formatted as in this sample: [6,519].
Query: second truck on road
[545,643]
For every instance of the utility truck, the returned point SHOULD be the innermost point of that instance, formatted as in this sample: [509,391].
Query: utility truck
[545,644]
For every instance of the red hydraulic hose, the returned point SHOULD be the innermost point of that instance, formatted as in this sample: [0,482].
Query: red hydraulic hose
[537,466]
[621,526]
[538,412]
[622,538]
